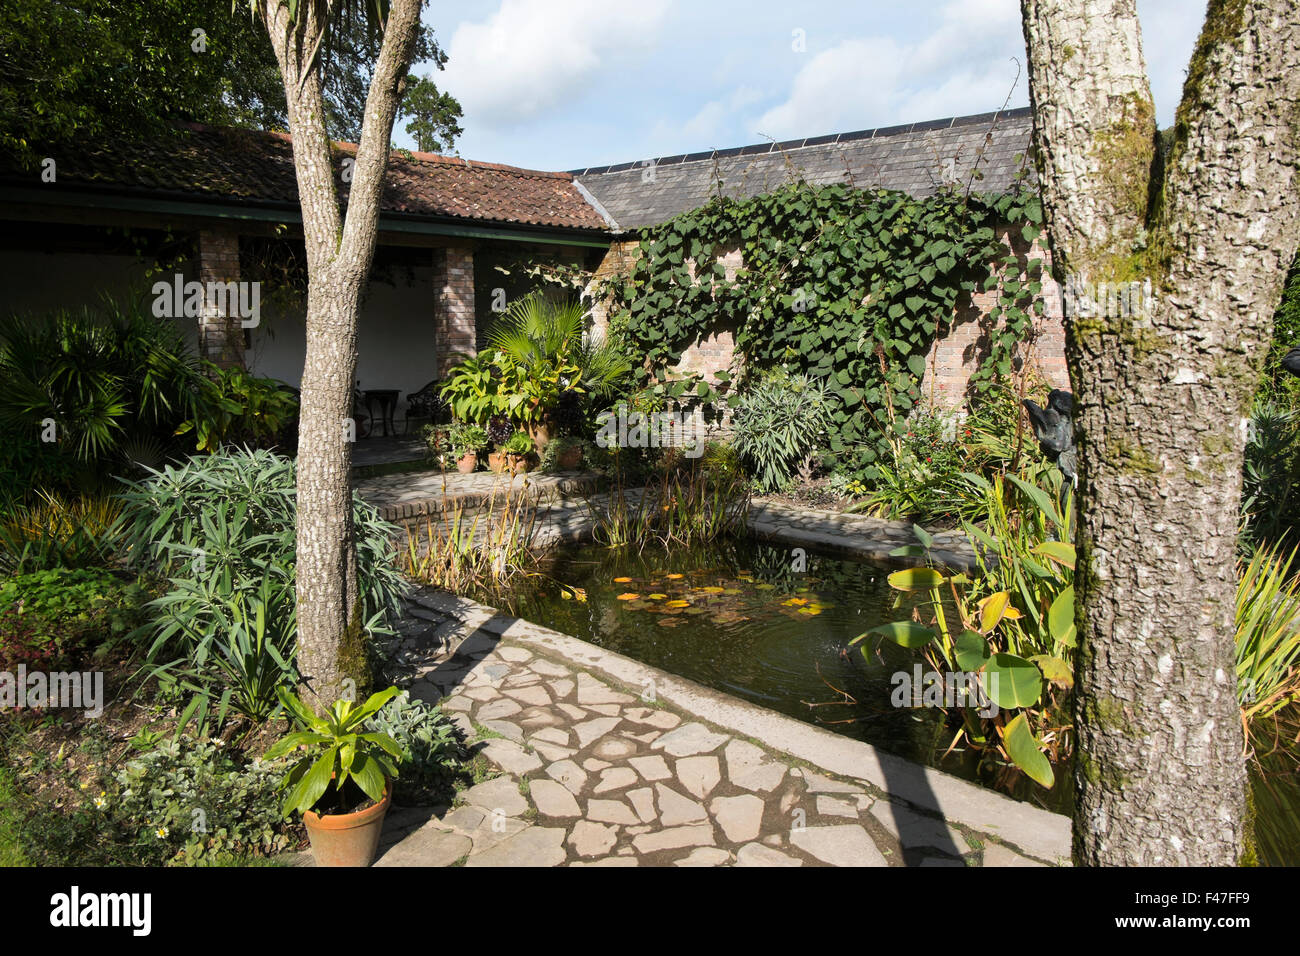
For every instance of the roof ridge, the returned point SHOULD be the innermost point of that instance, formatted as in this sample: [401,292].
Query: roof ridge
[435,158]
[810,141]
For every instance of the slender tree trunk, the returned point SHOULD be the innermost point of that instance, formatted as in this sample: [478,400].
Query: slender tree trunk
[331,648]
[1163,383]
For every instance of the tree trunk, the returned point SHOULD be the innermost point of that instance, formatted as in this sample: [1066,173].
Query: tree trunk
[1163,381]
[331,647]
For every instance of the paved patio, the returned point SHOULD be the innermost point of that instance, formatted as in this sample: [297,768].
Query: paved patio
[608,762]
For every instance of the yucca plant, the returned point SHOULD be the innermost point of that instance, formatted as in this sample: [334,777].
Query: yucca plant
[1268,633]
[777,425]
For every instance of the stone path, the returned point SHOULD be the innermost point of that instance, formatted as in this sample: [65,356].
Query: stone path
[606,762]
[401,497]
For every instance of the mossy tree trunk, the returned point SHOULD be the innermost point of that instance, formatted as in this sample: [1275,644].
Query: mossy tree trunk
[1163,385]
[340,250]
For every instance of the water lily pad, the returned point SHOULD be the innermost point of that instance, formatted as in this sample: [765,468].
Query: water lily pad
[657,596]
[622,580]
[674,577]
[669,622]
[679,603]
[764,587]
[627,596]
[712,589]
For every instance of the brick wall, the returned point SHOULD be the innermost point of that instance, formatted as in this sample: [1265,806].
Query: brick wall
[956,354]
[221,336]
[453,305]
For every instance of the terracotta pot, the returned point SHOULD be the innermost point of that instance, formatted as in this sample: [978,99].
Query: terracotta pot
[569,459]
[347,839]
[519,464]
[540,433]
[497,462]
[467,463]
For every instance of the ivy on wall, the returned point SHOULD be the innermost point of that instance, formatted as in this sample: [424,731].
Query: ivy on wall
[846,285]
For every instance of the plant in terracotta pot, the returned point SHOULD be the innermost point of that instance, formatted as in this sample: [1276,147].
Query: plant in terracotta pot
[499,431]
[563,454]
[466,442]
[517,448]
[341,777]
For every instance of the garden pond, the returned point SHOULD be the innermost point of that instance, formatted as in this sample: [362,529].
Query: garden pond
[772,626]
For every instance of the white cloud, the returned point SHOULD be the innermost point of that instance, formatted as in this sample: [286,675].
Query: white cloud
[531,54]
[963,66]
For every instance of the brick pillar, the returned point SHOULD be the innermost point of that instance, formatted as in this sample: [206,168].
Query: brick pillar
[221,336]
[453,306]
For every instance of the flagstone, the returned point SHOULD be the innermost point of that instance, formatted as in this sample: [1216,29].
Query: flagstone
[592,839]
[592,730]
[831,807]
[568,773]
[615,778]
[499,793]
[842,845]
[592,691]
[652,768]
[995,854]
[548,668]
[506,729]
[427,846]
[552,752]
[536,696]
[756,854]
[676,809]
[611,811]
[699,775]
[741,818]
[553,799]
[552,735]
[816,783]
[915,830]
[705,856]
[612,748]
[497,709]
[663,719]
[688,740]
[643,802]
[562,688]
[673,838]
[535,846]
[510,757]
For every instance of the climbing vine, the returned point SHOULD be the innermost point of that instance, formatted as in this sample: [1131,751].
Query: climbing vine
[845,285]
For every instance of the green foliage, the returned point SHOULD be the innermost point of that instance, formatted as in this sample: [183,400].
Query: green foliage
[472,392]
[434,116]
[67,612]
[433,750]
[221,529]
[520,443]
[465,439]
[332,751]
[59,531]
[777,425]
[108,381]
[187,801]
[847,286]
[1269,467]
[237,408]
[1268,633]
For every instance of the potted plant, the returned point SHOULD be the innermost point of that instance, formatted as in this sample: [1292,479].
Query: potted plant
[499,431]
[566,453]
[466,442]
[517,449]
[341,779]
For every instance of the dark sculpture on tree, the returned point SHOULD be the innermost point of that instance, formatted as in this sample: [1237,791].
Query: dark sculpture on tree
[1055,431]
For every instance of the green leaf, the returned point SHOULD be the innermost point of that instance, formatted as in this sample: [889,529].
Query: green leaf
[904,633]
[1060,618]
[972,651]
[312,786]
[1054,669]
[1062,552]
[916,579]
[1012,682]
[1023,749]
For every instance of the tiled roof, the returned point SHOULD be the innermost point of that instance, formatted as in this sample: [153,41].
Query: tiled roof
[916,159]
[222,165]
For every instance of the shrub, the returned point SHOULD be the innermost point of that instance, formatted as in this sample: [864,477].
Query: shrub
[235,407]
[777,425]
[52,617]
[221,528]
[106,379]
[191,799]
[432,747]
[1268,501]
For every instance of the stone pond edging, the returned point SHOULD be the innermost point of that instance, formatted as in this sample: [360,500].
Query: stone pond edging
[1032,831]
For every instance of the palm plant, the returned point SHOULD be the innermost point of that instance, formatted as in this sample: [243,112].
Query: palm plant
[1268,633]
[542,349]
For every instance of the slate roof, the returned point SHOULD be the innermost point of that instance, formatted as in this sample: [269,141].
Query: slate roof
[916,159]
[224,165]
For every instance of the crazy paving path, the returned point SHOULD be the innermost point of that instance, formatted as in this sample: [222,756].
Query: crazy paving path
[595,774]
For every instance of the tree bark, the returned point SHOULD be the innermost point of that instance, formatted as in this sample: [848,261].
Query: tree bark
[340,250]
[1163,383]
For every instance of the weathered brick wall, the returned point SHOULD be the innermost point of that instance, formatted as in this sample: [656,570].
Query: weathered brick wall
[956,354]
[453,305]
[952,359]
[221,336]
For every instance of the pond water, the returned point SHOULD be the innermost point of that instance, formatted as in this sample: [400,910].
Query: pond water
[747,619]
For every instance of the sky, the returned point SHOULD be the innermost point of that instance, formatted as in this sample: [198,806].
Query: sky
[565,84]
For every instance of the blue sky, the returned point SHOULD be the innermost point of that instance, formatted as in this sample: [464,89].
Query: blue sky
[559,84]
